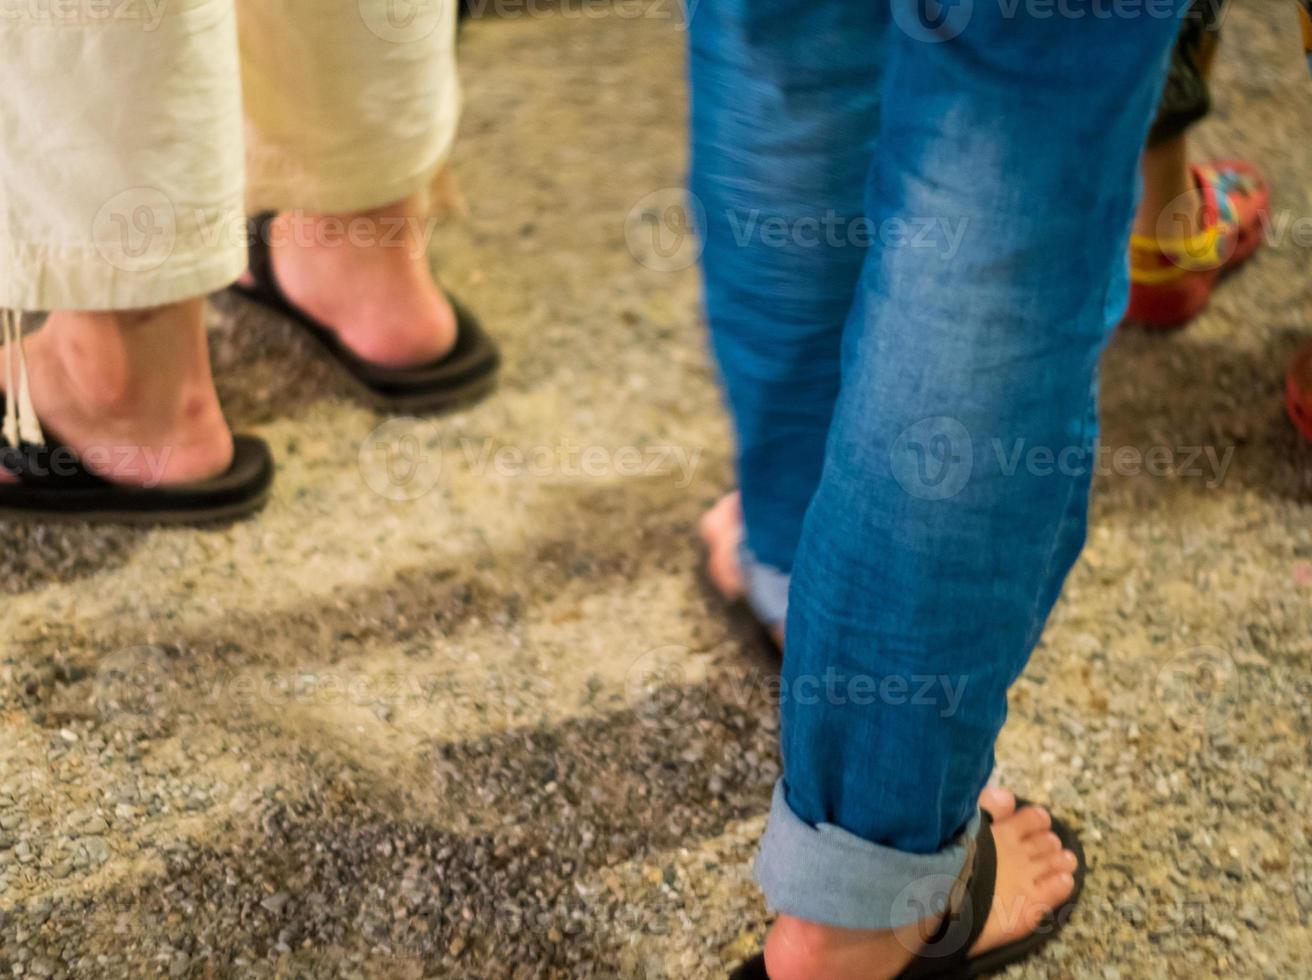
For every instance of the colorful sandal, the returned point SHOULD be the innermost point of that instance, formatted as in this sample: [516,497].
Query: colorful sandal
[1298,391]
[467,372]
[1171,279]
[946,955]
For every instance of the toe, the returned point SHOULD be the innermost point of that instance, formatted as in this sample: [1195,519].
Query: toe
[999,802]
[1051,891]
[1030,820]
[1043,845]
[1061,862]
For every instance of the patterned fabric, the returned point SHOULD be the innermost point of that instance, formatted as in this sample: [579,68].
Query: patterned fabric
[1186,98]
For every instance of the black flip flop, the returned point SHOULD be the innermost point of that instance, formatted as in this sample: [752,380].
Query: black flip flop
[946,955]
[466,373]
[53,484]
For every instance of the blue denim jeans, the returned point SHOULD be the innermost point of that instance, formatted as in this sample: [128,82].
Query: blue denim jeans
[916,222]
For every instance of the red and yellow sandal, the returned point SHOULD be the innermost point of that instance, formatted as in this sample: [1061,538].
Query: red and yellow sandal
[1298,391]
[1171,279]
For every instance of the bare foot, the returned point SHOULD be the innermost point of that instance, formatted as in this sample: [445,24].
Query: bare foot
[366,276]
[1035,875]
[130,392]
[721,528]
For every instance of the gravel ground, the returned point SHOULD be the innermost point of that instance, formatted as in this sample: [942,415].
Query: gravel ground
[484,722]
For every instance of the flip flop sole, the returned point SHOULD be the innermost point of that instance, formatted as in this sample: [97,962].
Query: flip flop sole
[138,518]
[239,492]
[465,374]
[446,399]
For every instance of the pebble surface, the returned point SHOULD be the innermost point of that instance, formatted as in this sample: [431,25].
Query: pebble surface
[492,726]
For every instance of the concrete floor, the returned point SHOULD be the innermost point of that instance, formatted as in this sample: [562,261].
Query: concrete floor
[486,723]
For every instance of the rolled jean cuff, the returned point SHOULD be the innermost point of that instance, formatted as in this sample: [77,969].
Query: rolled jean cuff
[766,587]
[825,874]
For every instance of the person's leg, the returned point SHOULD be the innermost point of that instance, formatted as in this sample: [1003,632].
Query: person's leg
[1171,196]
[784,112]
[351,110]
[122,205]
[1194,222]
[1170,193]
[953,495]
[136,383]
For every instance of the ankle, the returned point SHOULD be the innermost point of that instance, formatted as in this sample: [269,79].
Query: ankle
[797,949]
[1172,203]
[341,237]
[365,276]
[129,363]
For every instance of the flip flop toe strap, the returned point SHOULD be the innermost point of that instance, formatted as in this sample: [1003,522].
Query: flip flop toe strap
[259,259]
[947,951]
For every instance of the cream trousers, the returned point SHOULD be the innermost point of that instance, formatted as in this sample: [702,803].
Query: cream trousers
[136,134]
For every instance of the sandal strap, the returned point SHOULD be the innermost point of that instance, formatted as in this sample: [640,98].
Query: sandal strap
[949,948]
[259,254]
[20,422]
